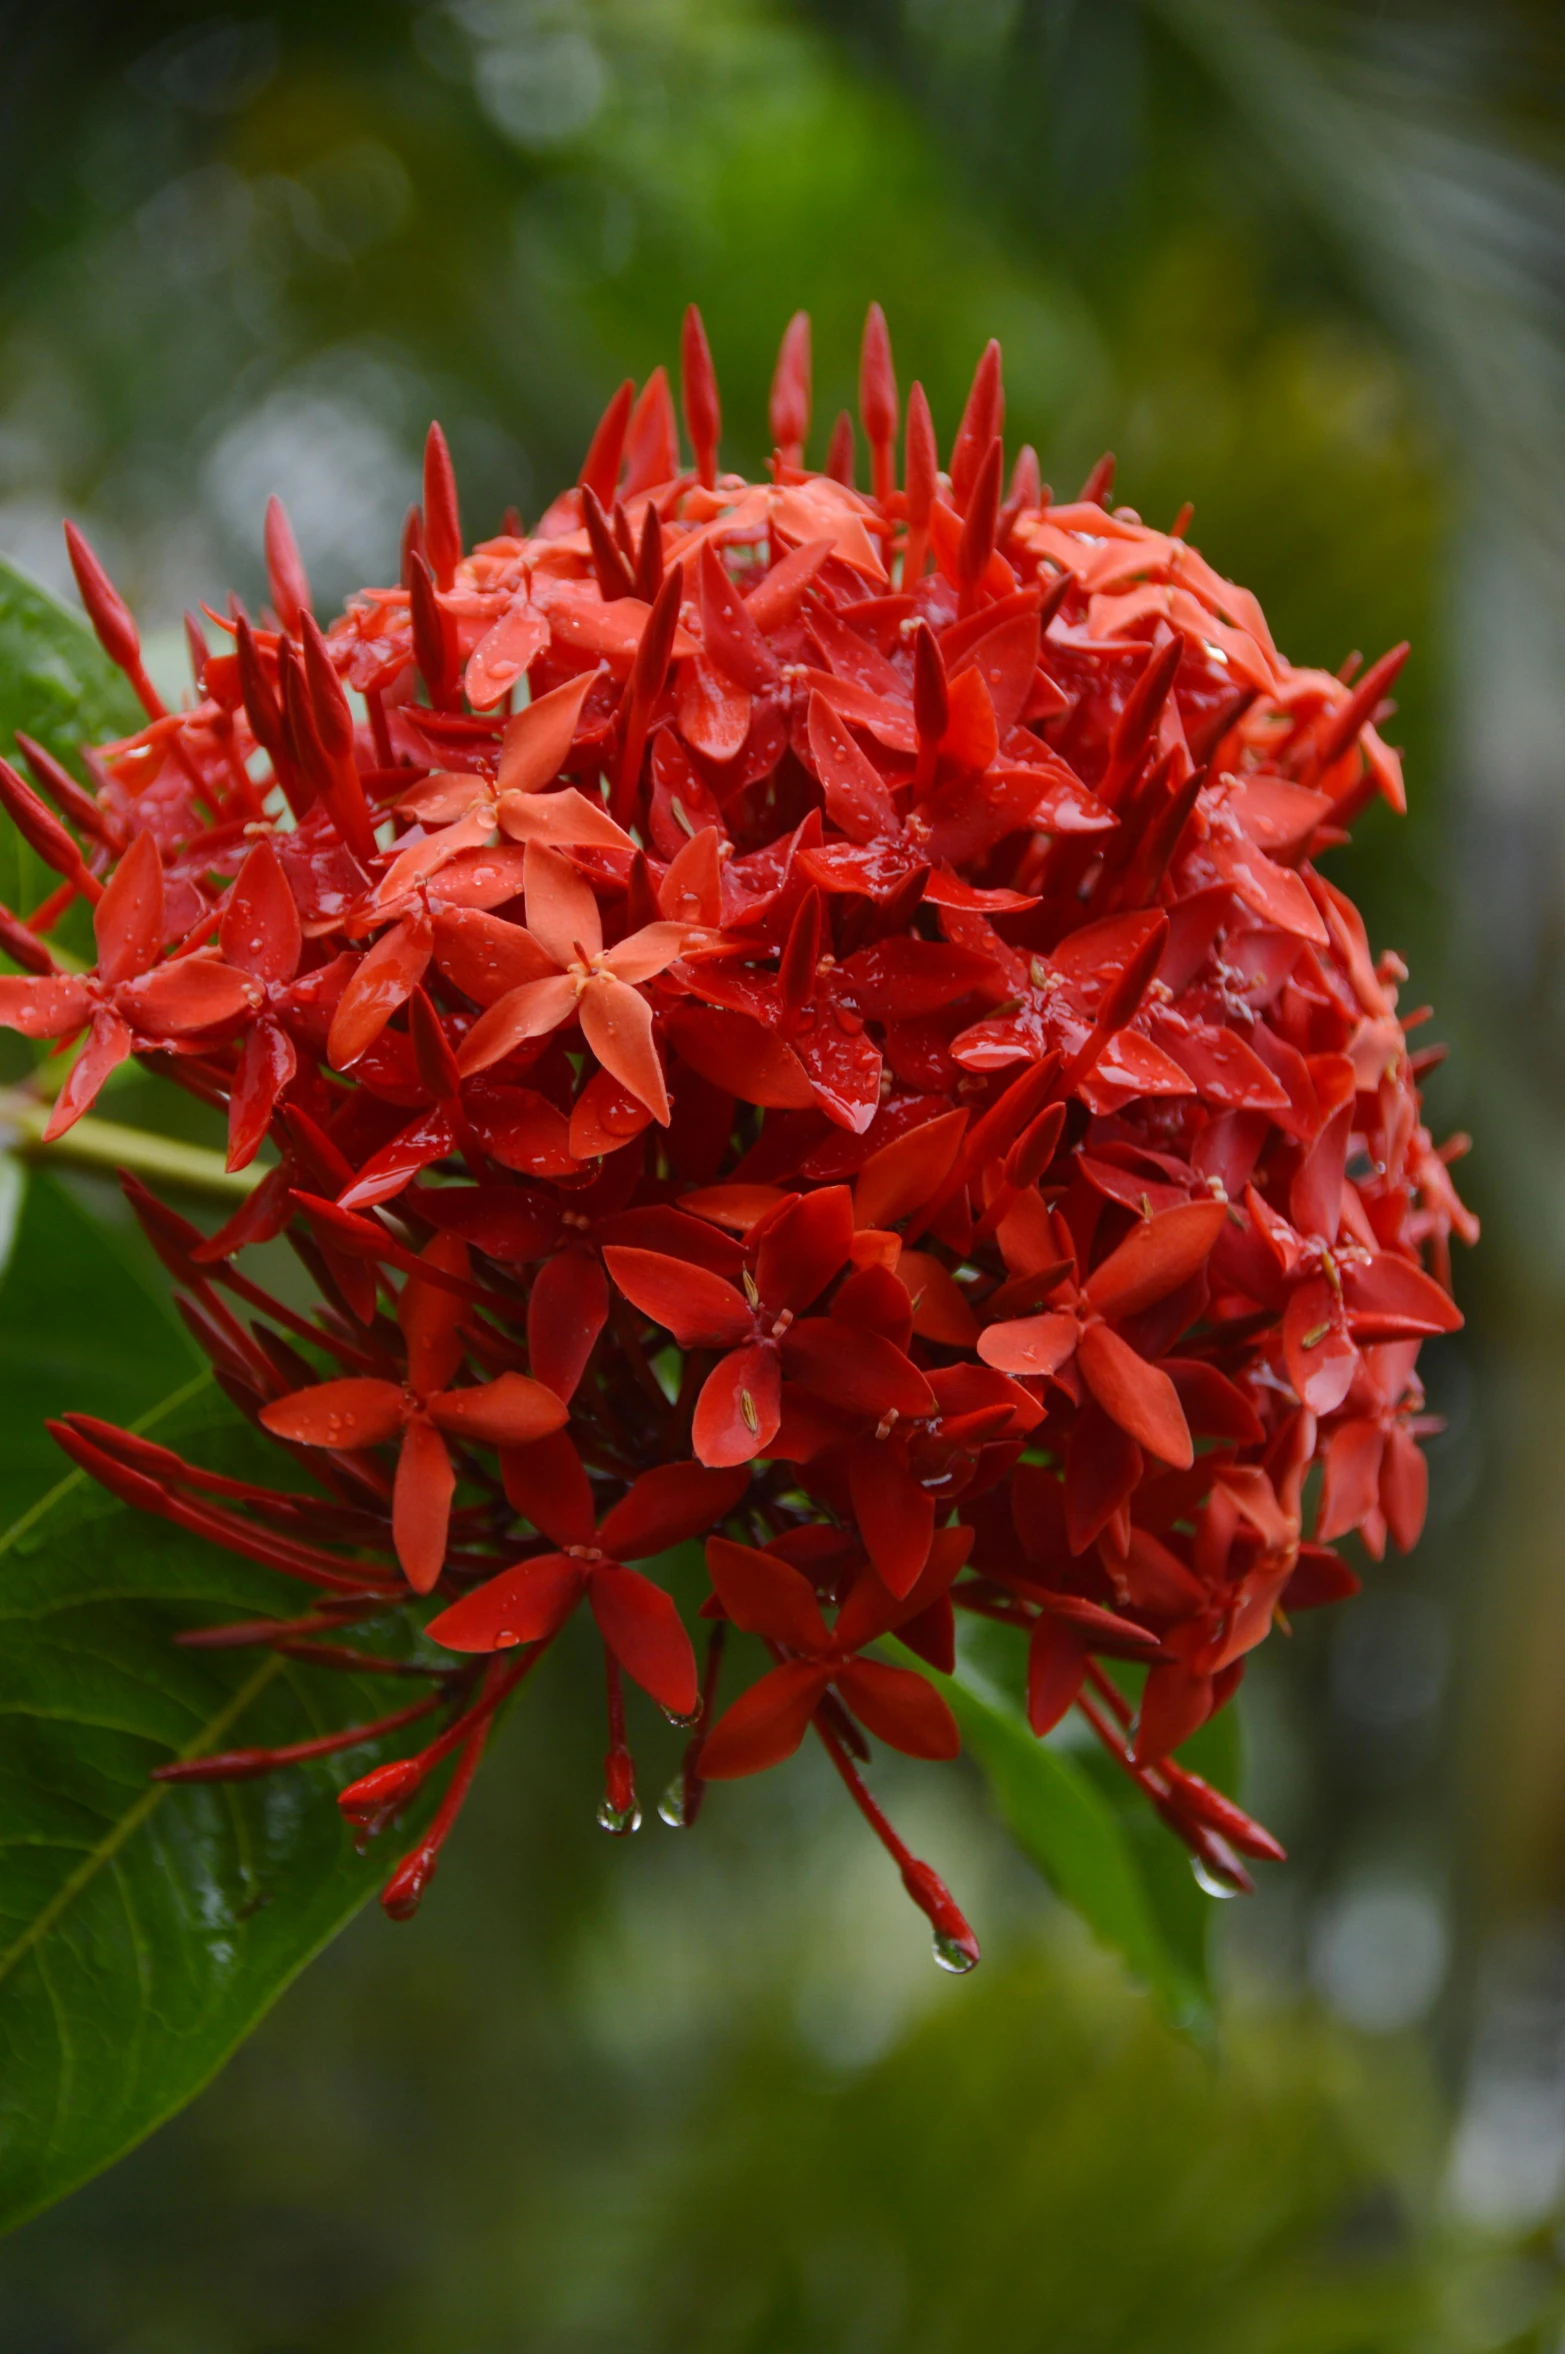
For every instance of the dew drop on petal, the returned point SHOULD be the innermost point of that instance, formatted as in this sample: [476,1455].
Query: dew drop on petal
[507,1639]
[618,1821]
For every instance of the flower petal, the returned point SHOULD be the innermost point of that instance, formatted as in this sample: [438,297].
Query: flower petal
[1056,1664]
[1155,1258]
[128,920]
[267,1062]
[528,1012]
[1317,1348]
[535,743]
[766,1596]
[421,1504]
[858,1369]
[385,977]
[548,1485]
[431,1315]
[1404,1488]
[740,1406]
[906,1173]
[696,1306]
[511,1411]
[616,1022]
[567,818]
[896,1516]
[355,1412]
[899,1708]
[643,1629]
[765,1724]
[261,933]
[526,1604]
[669,1505]
[1350,1489]
[187,994]
[1138,1396]
[486,956]
[108,1044]
[422,1142]
[49,1008]
[649,951]
[1030,1344]
[1101,1470]
[805,1248]
[562,908]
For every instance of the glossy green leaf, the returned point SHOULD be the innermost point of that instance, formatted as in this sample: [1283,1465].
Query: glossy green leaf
[1070,1828]
[85,1325]
[145,1928]
[57,685]
[56,682]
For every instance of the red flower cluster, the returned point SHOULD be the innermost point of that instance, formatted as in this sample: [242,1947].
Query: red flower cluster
[790,1016]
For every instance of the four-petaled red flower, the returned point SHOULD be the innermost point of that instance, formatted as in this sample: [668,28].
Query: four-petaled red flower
[421,1414]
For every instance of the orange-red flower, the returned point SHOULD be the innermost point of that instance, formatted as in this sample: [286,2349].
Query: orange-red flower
[840,989]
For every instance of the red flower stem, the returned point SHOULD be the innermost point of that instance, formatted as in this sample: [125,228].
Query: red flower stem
[243,1765]
[248,1633]
[693,1789]
[375,705]
[404,1891]
[340,1655]
[1111,1692]
[49,911]
[499,1682]
[898,1850]
[1144,1777]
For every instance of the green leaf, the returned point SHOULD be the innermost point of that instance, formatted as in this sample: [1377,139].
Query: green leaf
[56,682]
[85,1326]
[58,685]
[146,1927]
[1081,1841]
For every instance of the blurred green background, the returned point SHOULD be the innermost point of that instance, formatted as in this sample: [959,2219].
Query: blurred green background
[1305,266]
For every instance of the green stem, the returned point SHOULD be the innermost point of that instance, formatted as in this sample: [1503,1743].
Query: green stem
[108,1144]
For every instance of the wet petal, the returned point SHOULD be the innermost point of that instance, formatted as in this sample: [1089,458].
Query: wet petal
[355,1412]
[522,1605]
[616,1022]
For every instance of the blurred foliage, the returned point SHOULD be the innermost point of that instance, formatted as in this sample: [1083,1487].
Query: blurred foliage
[1301,264]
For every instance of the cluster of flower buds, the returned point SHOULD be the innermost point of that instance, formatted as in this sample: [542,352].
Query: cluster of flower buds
[787,1015]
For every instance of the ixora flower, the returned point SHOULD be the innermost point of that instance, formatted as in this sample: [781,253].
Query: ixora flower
[791,1021]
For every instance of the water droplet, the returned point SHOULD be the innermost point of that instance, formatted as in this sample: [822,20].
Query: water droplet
[951,1954]
[619,1821]
[684,1723]
[671,1806]
[506,1640]
[1210,1882]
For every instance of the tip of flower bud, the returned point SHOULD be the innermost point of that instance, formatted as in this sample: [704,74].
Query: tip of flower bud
[384,1786]
[956,1948]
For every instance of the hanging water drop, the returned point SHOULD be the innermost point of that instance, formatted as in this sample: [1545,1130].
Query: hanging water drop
[954,1954]
[619,1821]
[1208,1880]
[671,1806]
